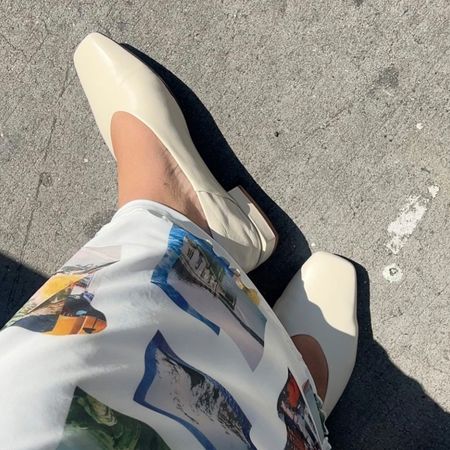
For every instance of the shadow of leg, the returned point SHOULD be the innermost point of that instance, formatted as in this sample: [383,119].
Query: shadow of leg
[292,248]
[382,408]
[18,284]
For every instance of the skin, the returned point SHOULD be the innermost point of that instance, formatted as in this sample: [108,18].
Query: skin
[146,170]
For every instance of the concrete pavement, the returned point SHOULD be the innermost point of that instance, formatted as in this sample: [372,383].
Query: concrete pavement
[339,112]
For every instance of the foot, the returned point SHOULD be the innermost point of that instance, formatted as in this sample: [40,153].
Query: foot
[318,310]
[146,170]
[315,360]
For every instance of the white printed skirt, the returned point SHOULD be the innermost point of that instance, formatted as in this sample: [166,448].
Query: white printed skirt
[151,337]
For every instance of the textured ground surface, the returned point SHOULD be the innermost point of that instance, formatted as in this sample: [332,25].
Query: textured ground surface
[339,112]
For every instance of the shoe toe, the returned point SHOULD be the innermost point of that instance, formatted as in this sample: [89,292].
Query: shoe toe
[330,283]
[97,54]
[102,65]
[320,301]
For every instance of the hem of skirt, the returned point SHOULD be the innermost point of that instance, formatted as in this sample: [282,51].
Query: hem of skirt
[162,211]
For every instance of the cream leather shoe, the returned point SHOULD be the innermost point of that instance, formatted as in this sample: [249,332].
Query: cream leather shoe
[115,80]
[320,301]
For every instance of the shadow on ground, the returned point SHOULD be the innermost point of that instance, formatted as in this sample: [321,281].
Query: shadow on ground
[382,408]
[17,285]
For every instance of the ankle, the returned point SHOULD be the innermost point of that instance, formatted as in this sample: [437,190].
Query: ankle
[146,170]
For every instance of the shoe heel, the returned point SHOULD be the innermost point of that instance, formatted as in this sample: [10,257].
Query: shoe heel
[266,232]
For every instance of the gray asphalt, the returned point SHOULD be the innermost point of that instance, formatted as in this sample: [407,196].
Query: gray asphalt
[339,112]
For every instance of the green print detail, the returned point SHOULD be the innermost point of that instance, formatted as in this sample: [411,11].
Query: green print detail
[92,425]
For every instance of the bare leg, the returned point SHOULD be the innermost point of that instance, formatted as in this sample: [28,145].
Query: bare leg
[314,358]
[146,170]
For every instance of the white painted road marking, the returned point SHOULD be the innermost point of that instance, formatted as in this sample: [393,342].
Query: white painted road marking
[410,215]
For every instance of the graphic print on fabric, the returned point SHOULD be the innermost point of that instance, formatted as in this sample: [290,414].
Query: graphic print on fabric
[92,425]
[62,306]
[204,285]
[177,390]
[294,411]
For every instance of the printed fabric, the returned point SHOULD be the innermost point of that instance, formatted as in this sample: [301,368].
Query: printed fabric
[152,337]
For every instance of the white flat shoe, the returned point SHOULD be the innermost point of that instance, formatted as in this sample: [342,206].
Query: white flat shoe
[115,80]
[320,301]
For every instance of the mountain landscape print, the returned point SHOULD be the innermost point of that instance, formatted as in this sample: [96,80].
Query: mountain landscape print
[295,413]
[204,285]
[177,390]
